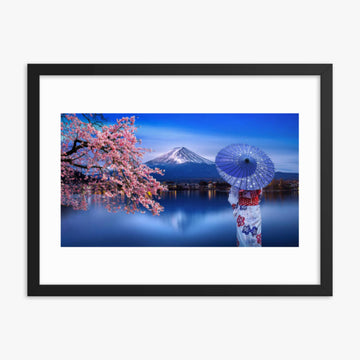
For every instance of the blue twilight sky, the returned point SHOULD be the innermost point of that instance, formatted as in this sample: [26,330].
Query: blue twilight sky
[207,134]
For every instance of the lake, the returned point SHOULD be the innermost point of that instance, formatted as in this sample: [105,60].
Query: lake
[191,218]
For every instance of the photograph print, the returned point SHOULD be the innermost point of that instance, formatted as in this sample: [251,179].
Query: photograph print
[179,180]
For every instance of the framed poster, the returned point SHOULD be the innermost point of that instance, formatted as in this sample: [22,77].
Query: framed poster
[179,180]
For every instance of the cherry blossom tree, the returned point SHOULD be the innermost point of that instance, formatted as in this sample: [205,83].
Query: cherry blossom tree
[106,160]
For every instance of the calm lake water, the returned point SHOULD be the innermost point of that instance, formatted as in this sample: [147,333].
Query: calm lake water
[191,218]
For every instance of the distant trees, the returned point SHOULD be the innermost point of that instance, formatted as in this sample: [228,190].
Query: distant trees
[280,184]
[222,185]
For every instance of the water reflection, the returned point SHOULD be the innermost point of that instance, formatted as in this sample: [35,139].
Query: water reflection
[280,196]
[191,218]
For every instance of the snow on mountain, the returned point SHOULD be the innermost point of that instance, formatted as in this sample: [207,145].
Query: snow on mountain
[179,155]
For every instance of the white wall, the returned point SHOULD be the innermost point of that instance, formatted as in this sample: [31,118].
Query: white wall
[186,31]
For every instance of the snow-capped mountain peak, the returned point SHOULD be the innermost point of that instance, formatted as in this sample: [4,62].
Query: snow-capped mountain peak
[179,155]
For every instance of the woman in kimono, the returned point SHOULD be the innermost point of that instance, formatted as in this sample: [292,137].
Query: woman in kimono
[246,210]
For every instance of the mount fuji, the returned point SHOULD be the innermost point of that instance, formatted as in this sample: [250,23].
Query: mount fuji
[181,163]
[179,155]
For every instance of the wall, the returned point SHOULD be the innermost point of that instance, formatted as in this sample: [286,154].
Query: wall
[187,31]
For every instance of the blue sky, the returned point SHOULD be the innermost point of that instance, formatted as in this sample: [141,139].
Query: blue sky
[206,134]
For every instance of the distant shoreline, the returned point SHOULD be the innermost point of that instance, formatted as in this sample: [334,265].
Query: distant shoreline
[227,190]
[274,186]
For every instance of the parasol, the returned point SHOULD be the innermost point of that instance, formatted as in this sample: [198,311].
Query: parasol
[245,167]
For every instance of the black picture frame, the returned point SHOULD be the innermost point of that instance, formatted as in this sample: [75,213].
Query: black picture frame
[34,287]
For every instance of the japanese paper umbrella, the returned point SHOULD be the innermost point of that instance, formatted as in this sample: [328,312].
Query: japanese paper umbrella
[245,167]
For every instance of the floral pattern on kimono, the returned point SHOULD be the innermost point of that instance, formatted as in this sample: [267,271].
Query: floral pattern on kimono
[248,217]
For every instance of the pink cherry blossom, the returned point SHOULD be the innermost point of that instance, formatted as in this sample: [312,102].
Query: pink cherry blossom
[106,161]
